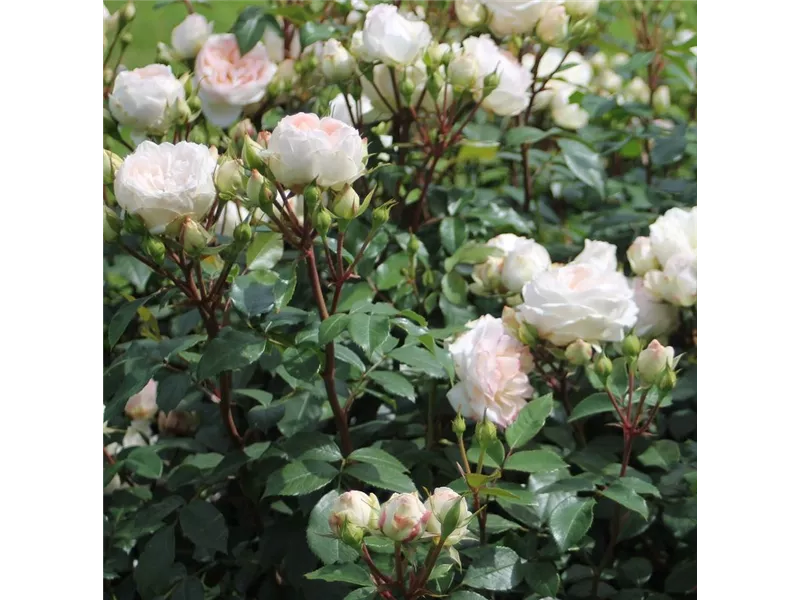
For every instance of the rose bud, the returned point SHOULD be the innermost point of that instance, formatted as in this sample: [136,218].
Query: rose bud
[142,406]
[440,504]
[653,360]
[355,508]
[403,518]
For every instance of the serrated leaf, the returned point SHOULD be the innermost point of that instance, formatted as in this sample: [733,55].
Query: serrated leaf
[249,28]
[312,445]
[543,578]
[332,327]
[527,135]
[454,288]
[379,458]
[231,349]
[394,383]
[254,294]
[662,454]
[122,318]
[570,521]
[453,233]
[383,477]
[368,331]
[640,486]
[155,559]
[344,354]
[584,163]
[419,358]
[204,525]
[591,405]
[327,548]
[495,568]
[347,573]
[534,461]
[529,421]
[299,478]
[265,251]
[145,462]
[626,497]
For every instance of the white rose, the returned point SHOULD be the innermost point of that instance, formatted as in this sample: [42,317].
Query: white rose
[304,148]
[524,262]
[337,64]
[552,26]
[463,71]
[602,254]
[512,94]
[276,45]
[492,367]
[515,16]
[577,76]
[357,46]
[579,301]
[677,283]
[674,232]
[653,360]
[608,81]
[641,256]
[228,81]
[487,274]
[339,108]
[581,8]
[655,318]
[142,99]
[566,115]
[356,508]
[142,406]
[403,518]
[393,39]
[661,99]
[439,504]
[636,91]
[164,182]
[470,13]
[190,35]
[599,61]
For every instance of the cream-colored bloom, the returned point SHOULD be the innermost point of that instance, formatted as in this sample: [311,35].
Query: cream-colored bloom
[581,8]
[522,264]
[142,406]
[164,182]
[602,254]
[439,504]
[674,232]
[403,518]
[337,63]
[470,13]
[304,148]
[142,99]
[507,17]
[228,81]
[512,94]
[552,26]
[190,35]
[641,256]
[392,38]
[655,318]
[492,367]
[356,508]
[342,109]
[488,273]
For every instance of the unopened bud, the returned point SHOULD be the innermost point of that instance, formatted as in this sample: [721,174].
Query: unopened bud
[111,162]
[251,154]
[581,8]
[470,13]
[552,26]
[603,367]
[242,233]
[108,76]
[631,346]
[134,224]
[661,99]
[154,248]
[485,433]
[579,353]
[322,221]
[528,334]
[653,360]
[352,534]
[194,103]
[346,203]
[463,71]
[194,237]
[229,178]
[407,89]
[265,198]
[428,278]
[111,225]
[380,215]
[188,84]
[177,423]
[413,244]
[127,14]
[490,83]
[459,425]
[255,187]
[126,38]
[181,111]
[667,381]
[198,134]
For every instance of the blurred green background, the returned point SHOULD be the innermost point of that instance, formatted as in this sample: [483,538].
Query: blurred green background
[153,25]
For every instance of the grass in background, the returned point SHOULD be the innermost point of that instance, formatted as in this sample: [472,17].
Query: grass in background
[153,25]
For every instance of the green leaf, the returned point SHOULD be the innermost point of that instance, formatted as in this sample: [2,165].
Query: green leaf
[189,588]
[626,497]
[494,568]
[640,486]
[368,331]
[155,560]
[592,405]
[453,233]
[394,383]
[312,445]
[419,358]
[231,349]
[265,250]
[145,462]
[527,135]
[381,477]
[327,548]
[379,458]
[471,253]
[389,274]
[344,354]
[534,461]
[570,521]
[332,327]
[260,396]
[299,478]
[365,593]
[618,380]
[584,164]
[204,525]
[254,293]
[529,421]
[284,290]
[347,573]
[662,454]
[543,578]
[668,150]
[465,595]
[249,28]
[303,412]
[454,288]
[122,318]
[316,32]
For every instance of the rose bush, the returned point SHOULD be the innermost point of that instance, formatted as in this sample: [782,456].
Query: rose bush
[400,301]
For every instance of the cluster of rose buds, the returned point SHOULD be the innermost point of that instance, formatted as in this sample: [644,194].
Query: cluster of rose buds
[403,518]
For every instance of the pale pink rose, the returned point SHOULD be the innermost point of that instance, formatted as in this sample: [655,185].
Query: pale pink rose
[304,148]
[492,367]
[143,405]
[228,81]
[403,518]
